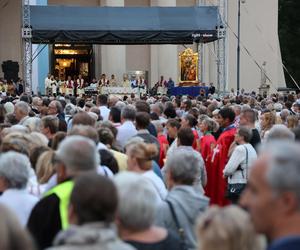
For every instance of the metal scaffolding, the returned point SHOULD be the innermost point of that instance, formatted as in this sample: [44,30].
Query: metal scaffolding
[200,50]
[221,46]
[27,46]
[222,42]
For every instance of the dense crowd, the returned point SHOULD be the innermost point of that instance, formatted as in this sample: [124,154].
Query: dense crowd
[156,172]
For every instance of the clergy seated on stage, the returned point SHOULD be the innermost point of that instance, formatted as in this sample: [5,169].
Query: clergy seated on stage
[69,86]
[126,82]
[93,83]
[141,82]
[134,82]
[113,81]
[103,81]
[162,82]
[161,86]
[80,83]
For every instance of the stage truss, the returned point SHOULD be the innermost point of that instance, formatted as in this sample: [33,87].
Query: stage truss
[27,46]
[221,46]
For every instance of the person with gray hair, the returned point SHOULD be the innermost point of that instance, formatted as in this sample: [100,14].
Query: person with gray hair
[280,132]
[76,155]
[55,108]
[22,110]
[33,124]
[272,196]
[135,215]
[283,115]
[14,175]
[91,133]
[36,104]
[158,108]
[183,198]
[120,105]
[70,110]
[127,129]
[237,168]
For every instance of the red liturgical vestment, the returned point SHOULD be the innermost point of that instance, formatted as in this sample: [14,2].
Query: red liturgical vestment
[219,159]
[207,144]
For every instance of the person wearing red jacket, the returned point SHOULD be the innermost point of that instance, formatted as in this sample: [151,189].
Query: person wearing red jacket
[220,157]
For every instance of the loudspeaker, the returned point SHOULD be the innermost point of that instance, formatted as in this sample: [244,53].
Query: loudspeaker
[10,70]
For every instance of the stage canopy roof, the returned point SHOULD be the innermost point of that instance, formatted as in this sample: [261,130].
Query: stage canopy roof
[123,25]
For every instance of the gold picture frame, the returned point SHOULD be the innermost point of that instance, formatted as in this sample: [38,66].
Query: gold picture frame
[188,61]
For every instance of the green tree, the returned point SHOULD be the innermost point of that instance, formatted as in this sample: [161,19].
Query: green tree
[289,35]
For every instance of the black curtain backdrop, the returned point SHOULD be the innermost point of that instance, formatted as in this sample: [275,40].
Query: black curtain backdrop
[124,25]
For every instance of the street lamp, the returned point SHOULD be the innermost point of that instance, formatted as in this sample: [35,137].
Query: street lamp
[238,46]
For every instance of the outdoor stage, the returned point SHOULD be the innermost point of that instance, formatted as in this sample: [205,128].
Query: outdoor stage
[191,91]
[128,26]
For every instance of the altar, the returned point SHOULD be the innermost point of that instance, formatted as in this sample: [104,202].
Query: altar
[123,90]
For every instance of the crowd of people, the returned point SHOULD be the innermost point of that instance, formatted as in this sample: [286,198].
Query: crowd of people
[157,172]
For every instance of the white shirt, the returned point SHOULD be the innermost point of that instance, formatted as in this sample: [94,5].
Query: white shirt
[20,202]
[105,171]
[104,112]
[101,146]
[238,158]
[172,148]
[47,83]
[163,119]
[157,183]
[126,131]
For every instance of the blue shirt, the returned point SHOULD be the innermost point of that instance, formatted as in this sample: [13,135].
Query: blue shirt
[157,170]
[286,243]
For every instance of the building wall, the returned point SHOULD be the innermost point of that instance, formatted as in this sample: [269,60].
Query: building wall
[183,3]
[10,30]
[75,2]
[133,3]
[138,56]
[258,34]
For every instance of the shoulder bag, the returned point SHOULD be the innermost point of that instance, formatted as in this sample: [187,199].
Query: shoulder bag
[180,230]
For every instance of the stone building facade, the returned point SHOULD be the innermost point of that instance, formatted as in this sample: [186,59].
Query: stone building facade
[259,35]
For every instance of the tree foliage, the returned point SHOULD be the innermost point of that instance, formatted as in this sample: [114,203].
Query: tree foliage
[289,35]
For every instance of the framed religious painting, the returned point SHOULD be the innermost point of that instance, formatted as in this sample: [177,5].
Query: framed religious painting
[188,61]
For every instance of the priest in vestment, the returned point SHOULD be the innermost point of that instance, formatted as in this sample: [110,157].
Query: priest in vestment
[207,143]
[220,157]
